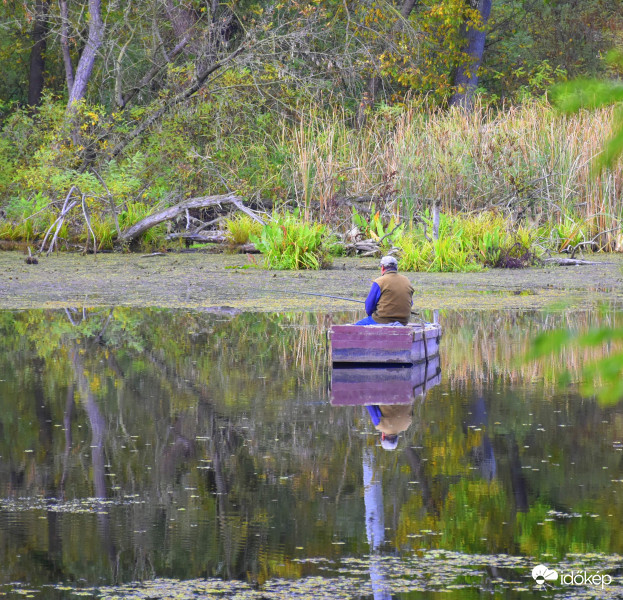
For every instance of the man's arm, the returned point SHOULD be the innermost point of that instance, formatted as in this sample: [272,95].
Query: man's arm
[373,298]
[375,413]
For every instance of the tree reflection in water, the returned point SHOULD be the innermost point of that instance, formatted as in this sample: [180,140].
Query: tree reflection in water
[155,443]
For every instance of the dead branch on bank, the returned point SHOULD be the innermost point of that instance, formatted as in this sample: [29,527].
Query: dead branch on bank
[573,262]
[67,206]
[182,208]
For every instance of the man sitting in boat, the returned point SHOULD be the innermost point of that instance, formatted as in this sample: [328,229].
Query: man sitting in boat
[390,298]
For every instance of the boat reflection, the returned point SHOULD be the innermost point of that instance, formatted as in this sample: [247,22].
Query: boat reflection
[356,385]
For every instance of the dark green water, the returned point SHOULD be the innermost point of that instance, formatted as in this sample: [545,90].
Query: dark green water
[175,454]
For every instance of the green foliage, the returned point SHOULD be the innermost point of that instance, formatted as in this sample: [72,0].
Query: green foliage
[104,230]
[602,376]
[132,213]
[373,228]
[466,243]
[597,93]
[566,234]
[241,227]
[28,219]
[288,243]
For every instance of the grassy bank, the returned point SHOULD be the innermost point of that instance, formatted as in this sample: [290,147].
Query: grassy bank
[528,165]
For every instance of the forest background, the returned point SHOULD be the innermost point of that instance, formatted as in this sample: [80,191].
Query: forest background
[344,125]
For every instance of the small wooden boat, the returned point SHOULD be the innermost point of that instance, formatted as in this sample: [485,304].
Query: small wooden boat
[366,385]
[411,344]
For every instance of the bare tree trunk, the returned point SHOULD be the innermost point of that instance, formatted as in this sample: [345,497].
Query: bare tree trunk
[69,68]
[37,53]
[89,54]
[436,221]
[466,77]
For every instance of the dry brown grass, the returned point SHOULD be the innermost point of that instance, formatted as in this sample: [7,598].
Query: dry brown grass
[529,162]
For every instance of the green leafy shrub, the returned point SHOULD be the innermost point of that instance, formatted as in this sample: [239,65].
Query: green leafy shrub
[466,244]
[241,228]
[566,234]
[374,228]
[287,243]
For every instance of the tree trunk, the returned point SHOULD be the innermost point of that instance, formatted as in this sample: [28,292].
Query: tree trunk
[466,77]
[436,221]
[37,53]
[89,54]
[69,68]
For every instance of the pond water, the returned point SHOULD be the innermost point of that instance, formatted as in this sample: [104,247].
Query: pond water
[175,454]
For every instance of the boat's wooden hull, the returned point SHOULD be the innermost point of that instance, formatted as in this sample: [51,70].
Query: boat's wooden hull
[384,344]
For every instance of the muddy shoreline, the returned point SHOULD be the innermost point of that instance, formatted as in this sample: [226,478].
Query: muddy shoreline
[200,280]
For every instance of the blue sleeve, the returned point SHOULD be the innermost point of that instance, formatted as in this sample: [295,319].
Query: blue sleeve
[375,413]
[373,298]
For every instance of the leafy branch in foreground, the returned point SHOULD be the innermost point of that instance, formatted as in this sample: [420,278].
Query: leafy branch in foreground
[592,94]
[602,376]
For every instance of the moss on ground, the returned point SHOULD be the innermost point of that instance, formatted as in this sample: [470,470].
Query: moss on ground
[201,280]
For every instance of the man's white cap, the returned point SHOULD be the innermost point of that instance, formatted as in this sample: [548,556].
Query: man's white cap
[389,261]
[389,444]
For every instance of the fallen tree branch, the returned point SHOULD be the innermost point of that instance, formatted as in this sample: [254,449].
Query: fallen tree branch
[173,211]
[571,262]
[240,206]
[389,234]
[205,238]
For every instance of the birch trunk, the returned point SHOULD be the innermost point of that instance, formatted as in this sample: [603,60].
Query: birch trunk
[89,54]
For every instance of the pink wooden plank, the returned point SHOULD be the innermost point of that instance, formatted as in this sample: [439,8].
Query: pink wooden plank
[352,336]
[370,344]
[371,331]
[398,392]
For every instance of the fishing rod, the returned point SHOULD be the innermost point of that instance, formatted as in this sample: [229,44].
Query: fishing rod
[323,296]
[329,296]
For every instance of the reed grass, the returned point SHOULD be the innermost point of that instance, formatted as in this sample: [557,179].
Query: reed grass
[528,162]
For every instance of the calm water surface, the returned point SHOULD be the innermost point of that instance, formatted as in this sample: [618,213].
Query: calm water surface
[176,454]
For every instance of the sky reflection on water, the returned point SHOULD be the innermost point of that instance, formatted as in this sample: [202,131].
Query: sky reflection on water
[137,445]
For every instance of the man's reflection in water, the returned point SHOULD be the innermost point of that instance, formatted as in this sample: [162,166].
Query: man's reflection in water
[375,523]
[365,387]
[390,420]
